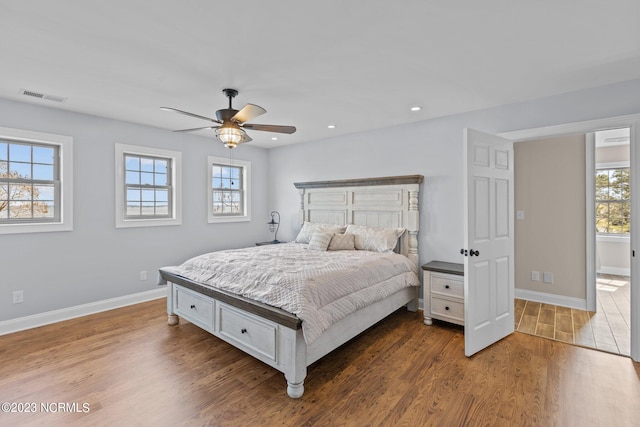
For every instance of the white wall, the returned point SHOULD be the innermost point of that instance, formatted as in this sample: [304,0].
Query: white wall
[432,148]
[96,261]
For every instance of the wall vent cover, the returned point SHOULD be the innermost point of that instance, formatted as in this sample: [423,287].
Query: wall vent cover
[35,94]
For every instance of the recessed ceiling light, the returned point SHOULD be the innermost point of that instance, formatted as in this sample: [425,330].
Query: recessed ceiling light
[331,126]
[416,108]
[274,138]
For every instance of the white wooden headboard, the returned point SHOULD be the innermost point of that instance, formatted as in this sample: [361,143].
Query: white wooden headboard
[389,202]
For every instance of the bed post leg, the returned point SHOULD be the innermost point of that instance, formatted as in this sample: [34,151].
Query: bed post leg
[295,391]
[296,362]
[173,319]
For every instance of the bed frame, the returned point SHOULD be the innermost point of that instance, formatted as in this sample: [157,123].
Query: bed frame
[274,336]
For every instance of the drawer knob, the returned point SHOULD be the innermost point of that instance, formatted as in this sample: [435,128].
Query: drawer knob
[243,330]
[193,306]
[446,286]
[446,308]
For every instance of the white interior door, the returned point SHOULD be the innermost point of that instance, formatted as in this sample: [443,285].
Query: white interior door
[488,246]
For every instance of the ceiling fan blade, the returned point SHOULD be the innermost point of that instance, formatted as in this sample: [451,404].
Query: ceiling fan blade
[192,129]
[247,113]
[190,114]
[270,128]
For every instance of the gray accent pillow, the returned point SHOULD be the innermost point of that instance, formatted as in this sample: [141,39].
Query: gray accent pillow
[342,242]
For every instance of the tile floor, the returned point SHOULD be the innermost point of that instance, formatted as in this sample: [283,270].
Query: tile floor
[607,329]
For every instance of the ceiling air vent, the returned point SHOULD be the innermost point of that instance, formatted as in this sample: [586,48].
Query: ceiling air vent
[42,95]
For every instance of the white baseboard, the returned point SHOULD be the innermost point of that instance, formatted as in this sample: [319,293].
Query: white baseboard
[615,270]
[49,317]
[572,302]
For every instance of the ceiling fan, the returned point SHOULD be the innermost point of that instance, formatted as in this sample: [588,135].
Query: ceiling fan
[232,123]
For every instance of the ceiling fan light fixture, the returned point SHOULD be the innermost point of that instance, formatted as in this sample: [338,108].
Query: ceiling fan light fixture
[230,136]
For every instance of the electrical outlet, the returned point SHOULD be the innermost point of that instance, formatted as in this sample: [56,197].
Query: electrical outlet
[143,275]
[535,276]
[547,277]
[18,297]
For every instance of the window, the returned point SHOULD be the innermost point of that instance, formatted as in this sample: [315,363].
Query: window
[613,203]
[148,189]
[229,183]
[35,182]
[147,183]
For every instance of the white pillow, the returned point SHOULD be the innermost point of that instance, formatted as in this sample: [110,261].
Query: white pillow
[320,241]
[308,228]
[375,239]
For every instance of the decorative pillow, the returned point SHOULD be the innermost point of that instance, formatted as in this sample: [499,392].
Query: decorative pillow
[342,242]
[320,241]
[375,239]
[308,228]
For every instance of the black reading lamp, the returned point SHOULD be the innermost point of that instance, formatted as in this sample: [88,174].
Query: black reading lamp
[274,226]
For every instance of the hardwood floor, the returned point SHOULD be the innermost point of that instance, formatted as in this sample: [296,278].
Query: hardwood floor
[130,368]
[608,329]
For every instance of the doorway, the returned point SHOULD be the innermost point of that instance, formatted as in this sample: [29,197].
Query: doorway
[632,122]
[559,298]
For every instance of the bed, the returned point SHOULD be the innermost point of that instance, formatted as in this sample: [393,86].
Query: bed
[289,336]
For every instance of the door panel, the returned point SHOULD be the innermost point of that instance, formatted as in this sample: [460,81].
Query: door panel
[489,273]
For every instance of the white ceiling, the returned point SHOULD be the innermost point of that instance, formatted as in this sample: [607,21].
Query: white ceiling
[358,65]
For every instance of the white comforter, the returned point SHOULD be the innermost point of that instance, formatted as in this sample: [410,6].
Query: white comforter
[319,287]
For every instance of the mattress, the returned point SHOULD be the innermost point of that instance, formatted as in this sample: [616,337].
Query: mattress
[320,287]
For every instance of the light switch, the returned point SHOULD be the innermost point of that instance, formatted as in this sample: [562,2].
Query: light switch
[519,214]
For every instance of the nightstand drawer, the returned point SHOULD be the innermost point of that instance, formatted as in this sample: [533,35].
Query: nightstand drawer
[248,331]
[443,292]
[447,285]
[447,308]
[194,307]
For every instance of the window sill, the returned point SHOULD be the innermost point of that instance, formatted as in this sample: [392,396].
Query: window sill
[131,223]
[35,228]
[216,220]
[612,238]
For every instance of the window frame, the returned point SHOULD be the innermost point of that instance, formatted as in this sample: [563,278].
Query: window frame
[609,166]
[63,168]
[246,190]
[122,220]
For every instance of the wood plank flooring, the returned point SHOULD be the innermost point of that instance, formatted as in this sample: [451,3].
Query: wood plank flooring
[608,329]
[131,369]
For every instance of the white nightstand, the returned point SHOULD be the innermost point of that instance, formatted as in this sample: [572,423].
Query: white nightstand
[443,292]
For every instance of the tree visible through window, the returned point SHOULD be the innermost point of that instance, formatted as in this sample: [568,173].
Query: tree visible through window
[29,182]
[613,201]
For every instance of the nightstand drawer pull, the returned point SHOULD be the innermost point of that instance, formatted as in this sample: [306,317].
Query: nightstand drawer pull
[446,286]
[243,330]
[193,306]
[447,308]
